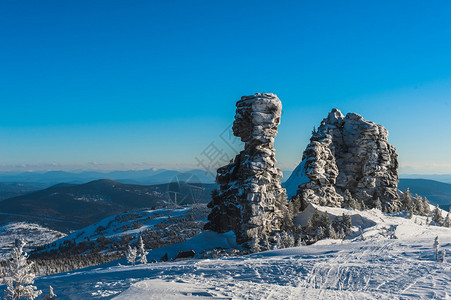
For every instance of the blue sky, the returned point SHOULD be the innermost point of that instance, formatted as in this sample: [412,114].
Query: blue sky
[140,84]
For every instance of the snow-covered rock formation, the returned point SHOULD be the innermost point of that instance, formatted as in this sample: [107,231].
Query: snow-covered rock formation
[251,200]
[346,153]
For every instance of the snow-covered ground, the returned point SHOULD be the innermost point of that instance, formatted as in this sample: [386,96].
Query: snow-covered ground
[164,222]
[395,259]
[122,224]
[34,234]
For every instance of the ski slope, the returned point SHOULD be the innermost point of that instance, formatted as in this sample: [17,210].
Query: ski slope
[394,259]
[136,223]
[35,235]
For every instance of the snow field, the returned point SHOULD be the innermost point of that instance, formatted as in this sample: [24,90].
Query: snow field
[396,260]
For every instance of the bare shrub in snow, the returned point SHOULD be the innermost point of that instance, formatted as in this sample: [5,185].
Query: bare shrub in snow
[51,294]
[436,247]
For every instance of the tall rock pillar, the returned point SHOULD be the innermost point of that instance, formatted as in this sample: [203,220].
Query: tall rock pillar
[251,200]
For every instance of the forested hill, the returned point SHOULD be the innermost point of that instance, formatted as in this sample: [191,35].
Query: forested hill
[77,206]
[436,192]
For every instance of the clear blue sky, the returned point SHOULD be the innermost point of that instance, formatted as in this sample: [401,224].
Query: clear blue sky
[138,84]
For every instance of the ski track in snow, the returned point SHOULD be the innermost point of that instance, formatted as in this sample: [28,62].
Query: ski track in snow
[375,269]
[381,267]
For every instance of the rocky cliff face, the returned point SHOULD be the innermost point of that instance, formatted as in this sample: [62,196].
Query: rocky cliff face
[347,153]
[251,200]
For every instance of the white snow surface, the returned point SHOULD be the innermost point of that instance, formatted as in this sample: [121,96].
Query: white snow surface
[204,241]
[394,260]
[34,234]
[114,225]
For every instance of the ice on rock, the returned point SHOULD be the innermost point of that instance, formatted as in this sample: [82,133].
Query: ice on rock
[347,153]
[251,200]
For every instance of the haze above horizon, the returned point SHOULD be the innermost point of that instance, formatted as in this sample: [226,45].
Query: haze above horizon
[118,85]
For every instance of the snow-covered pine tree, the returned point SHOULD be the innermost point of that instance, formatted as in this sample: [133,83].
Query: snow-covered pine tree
[426,208]
[354,204]
[319,226]
[436,246]
[447,221]
[378,204]
[316,227]
[437,216]
[283,240]
[406,200]
[341,233]
[358,205]
[363,205]
[349,201]
[442,259]
[418,205]
[19,275]
[142,251]
[331,232]
[342,226]
[347,224]
[309,227]
[266,243]
[325,220]
[300,242]
[278,242]
[131,254]
[254,244]
[321,233]
[410,211]
[316,218]
[2,274]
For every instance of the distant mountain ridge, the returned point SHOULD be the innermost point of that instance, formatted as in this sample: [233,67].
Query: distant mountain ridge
[8,190]
[149,176]
[445,178]
[73,206]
